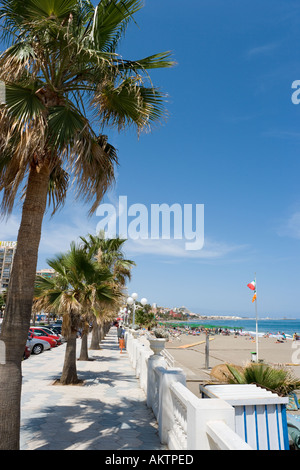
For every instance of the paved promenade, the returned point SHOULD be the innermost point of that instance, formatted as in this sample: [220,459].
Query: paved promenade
[108,412]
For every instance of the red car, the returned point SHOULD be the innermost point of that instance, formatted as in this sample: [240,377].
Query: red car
[51,341]
[27,352]
[42,330]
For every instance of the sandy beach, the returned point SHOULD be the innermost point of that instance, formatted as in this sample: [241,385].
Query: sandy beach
[188,352]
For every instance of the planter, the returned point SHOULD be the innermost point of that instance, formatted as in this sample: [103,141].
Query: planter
[157,345]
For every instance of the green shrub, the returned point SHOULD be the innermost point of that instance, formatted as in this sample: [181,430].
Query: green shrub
[278,380]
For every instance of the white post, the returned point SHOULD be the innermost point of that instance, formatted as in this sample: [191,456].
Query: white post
[165,411]
[152,392]
[256,320]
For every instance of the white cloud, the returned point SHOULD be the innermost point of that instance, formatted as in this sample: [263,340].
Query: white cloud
[262,50]
[291,228]
[282,134]
[9,228]
[58,233]
[176,249]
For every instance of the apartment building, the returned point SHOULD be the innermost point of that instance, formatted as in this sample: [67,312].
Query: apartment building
[7,252]
[49,273]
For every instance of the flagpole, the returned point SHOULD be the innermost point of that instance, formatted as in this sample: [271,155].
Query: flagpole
[256,321]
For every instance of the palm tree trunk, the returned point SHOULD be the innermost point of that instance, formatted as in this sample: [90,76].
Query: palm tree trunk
[69,373]
[107,327]
[102,333]
[95,343]
[19,305]
[84,356]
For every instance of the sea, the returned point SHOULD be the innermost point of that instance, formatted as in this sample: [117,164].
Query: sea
[248,325]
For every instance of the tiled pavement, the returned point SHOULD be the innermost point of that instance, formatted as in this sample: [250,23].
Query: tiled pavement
[108,412]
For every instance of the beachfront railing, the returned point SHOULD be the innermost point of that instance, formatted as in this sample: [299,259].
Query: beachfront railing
[185,422]
[169,358]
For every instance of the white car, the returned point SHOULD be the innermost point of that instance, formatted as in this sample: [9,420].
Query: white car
[37,346]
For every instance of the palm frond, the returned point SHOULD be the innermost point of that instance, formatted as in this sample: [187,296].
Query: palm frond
[58,186]
[130,103]
[65,124]
[17,61]
[39,9]
[110,21]
[22,103]
[93,167]
[161,60]
[20,146]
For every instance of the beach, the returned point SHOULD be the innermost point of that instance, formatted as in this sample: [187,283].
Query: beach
[188,351]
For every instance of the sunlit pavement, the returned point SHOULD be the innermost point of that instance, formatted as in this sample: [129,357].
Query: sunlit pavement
[107,412]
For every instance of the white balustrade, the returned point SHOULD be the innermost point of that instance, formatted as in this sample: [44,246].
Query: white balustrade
[185,422]
[169,358]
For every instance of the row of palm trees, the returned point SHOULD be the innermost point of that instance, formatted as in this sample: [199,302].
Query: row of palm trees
[88,288]
[65,82]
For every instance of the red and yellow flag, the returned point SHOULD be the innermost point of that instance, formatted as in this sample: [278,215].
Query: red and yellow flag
[252,286]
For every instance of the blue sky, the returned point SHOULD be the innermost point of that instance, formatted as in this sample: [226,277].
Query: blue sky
[232,143]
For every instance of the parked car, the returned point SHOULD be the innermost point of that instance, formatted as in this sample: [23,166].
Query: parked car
[27,352]
[45,332]
[37,345]
[52,333]
[55,328]
[43,336]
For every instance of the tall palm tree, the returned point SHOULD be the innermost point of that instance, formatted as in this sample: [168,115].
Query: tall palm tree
[109,254]
[64,82]
[79,288]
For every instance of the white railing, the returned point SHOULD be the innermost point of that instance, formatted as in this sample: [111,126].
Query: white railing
[223,437]
[169,358]
[185,422]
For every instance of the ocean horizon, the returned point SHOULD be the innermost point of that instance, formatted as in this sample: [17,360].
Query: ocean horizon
[265,325]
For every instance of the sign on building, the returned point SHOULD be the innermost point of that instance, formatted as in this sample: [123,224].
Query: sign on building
[8,244]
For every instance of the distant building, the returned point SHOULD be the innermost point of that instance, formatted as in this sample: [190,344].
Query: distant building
[50,273]
[173,314]
[7,253]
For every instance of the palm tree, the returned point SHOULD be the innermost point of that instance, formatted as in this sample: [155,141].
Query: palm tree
[79,288]
[64,82]
[109,254]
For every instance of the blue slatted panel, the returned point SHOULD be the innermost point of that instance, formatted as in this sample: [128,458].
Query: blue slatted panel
[261,420]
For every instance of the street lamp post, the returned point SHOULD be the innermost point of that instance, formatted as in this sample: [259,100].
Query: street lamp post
[125,310]
[207,350]
[131,301]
